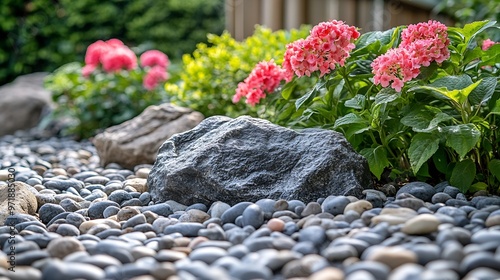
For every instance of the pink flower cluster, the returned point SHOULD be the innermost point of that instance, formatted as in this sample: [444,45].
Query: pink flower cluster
[421,44]
[264,78]
[156,62]
[488,43]
[114,56]
[328,44]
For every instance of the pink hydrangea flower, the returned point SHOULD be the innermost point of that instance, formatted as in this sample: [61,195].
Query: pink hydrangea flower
[328,44]
[114,43]
[154,76]
[395,68]
[119,58]
[264,78]
[154,57]
[428,39]
[95,51]
[487,44]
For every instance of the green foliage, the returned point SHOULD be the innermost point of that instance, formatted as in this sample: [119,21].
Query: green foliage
[42,35]
[465,11]
[100,101]
[443,125]
[210,76]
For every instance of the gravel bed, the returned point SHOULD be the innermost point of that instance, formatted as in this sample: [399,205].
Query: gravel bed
[97,222]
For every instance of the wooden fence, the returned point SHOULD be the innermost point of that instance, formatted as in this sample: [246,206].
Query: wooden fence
[369,15]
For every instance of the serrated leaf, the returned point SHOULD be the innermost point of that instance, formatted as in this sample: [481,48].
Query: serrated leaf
[422,147]
[461,138]
[494,167]
[440,160]
[463,175]
[357,102]
[483,92]
[350,118]
[377,159]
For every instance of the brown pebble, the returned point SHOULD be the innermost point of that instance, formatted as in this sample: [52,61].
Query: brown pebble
[281,205]
[182,242]
[126,213]
[61,247]
[492,221]
[185,250]
[328,273]
[196,241]
[276,224]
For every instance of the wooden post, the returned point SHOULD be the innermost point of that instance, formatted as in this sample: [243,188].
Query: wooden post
[295,13]
[272,14]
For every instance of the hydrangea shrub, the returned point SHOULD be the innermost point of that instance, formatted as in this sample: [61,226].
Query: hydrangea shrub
[419,101]
[112,87]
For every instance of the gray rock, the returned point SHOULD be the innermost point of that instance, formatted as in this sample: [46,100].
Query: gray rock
[23,103]
[207,254]
[137,141]
[204,164]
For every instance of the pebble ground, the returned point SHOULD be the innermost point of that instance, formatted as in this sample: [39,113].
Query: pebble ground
[99,223]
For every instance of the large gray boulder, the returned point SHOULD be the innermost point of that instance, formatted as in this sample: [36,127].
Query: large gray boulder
[23,103]
[247,159]
[136,141]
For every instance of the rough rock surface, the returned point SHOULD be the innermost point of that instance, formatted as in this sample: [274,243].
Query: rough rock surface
[137,141]
[23,103]
[23,200]
[247,159]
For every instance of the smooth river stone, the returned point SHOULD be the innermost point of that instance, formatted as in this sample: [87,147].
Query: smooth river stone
[421,224]
[394,216]
[359,206]
[393,257]
[328,273]
[87,225]
[61,247]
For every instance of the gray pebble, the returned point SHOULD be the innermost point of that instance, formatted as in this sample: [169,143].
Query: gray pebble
[49,211]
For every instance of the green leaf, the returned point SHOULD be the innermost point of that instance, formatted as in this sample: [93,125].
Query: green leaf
[461,138]
[483,92]
[377,159]
[494,167]
[471,30]
[479,186]
[355,129]
[309,96]
[386,95]
[457,95]
[422,147]
[463,175]
[440,160]
[453,82]
[357,102]
[491,56]
[418,118]
[350,118]
[288,90]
